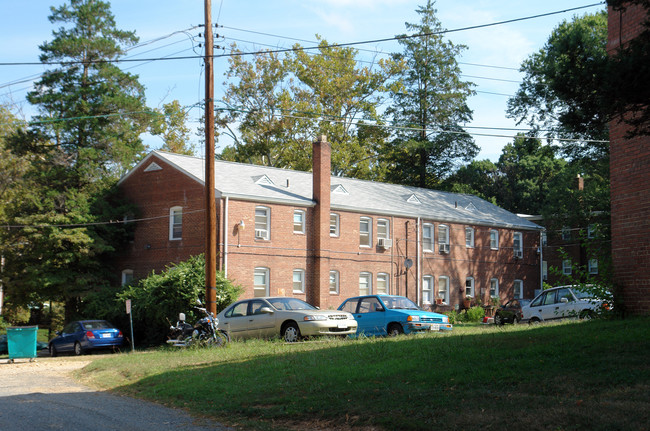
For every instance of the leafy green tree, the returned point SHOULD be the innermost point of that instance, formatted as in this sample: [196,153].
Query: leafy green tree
[280,104]
[171,125]
[561,91]
[157,300]
[478,178]
[429,107]
[86,134]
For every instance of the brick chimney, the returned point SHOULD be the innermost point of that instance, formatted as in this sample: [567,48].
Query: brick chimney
[318,291]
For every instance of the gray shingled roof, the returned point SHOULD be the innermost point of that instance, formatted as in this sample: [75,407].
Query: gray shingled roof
[273,185]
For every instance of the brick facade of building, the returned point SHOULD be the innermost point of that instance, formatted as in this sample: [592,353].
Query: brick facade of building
[630,186]
[406,264]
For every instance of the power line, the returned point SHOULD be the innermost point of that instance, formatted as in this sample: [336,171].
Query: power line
[336,45]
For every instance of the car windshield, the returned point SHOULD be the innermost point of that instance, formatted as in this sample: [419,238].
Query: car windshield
[399,303]
[290,304]
[100,324]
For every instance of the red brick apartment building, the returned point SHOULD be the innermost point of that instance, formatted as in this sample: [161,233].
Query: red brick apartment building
[630,184]
[323,238]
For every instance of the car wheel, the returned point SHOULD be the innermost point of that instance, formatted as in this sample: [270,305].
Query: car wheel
[53,351]
[395,329]
[77,349]
[534,321]
[498,319]
[291,332]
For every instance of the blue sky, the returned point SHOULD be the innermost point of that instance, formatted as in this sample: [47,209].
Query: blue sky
[24,26]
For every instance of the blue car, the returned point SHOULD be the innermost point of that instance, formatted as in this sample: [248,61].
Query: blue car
[86,335]
[392,315]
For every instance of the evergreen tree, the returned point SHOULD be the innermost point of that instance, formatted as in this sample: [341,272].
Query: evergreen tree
[429,107]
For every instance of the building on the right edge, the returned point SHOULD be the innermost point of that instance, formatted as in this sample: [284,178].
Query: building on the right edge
[630,185]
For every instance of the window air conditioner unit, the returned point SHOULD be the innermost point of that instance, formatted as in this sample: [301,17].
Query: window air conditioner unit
[260,234]
[385,242]
[444,248]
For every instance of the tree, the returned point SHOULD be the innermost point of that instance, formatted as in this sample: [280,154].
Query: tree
[280,104]
[171,125]
[561,91]
[86,134]
[428,107]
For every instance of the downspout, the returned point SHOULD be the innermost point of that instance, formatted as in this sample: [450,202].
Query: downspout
[225,238]
[418,261]
[541,262]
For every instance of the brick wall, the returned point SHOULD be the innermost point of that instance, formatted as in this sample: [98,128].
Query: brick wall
[630,187]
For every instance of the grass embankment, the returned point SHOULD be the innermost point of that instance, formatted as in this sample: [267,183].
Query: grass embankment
[573,375]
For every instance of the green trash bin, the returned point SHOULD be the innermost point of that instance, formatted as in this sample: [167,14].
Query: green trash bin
[21,342]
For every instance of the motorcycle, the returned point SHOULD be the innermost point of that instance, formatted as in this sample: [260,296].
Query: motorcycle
[203,333]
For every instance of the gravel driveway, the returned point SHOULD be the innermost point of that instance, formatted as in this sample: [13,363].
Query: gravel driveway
[41,395]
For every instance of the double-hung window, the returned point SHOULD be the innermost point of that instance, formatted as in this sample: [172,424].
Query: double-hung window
[175,223]
[262,223]
[334,282]
[383,230]
[469,287]
[261,282]
[298,281]
[443,239]
[494,288]
[518,289]
[365,232]
[298,221]
[517,245]
[365,283]
[427,237]
[383,281]
[469,237]
[593,266]
[427,289]
[334,224]
[443,289]
[494,239]
[567,268]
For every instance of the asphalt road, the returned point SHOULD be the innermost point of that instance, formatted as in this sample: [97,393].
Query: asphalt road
[41,395]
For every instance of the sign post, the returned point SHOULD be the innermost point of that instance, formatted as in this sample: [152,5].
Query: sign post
[128,311]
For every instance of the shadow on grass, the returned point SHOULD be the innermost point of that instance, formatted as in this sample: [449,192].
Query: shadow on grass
[577,375]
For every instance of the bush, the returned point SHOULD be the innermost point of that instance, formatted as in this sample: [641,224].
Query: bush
[157,299]
[454,317]
[475,314]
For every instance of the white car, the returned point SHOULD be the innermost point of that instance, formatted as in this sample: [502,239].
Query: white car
[561,302]
[289,318]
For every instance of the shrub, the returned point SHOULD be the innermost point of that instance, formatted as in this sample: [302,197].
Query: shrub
[454,317]
[475,314]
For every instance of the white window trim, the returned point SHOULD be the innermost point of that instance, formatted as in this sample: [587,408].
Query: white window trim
[471,241]
[336,282]
[518,251]
[266,286]
[369,232]
[567,268]
[471,288]
[387,234]
[301,288]
[430,291]
[266,230]
[386,279]
[172,213]
[496,234]
[445,295]
[593,266]
[443,240]
[496,288]
[514,289]
[125,275]
[368,277]
[336,226]
[427,227]
[302,213]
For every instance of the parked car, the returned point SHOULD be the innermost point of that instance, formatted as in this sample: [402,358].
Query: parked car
[290,318]
[4,345]
[560,302]
[392,315]
[510,312]
[86,335]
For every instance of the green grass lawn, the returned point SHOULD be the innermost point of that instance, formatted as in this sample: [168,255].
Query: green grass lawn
[568,376]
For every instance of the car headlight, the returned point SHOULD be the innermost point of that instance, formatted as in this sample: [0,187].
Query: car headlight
[311,318]
[445,319]
[413,319]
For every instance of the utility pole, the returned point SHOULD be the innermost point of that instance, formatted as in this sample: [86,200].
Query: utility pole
[210,205]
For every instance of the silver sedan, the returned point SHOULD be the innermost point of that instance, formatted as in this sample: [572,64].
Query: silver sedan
[289,318]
